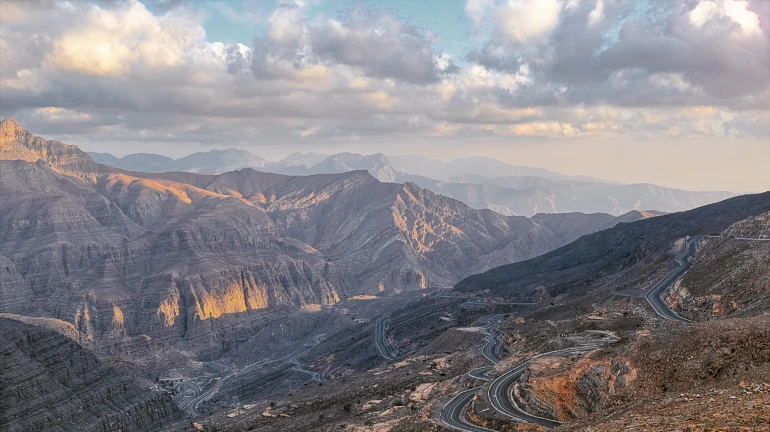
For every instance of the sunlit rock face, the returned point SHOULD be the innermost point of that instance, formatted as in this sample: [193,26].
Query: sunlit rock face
[174,255]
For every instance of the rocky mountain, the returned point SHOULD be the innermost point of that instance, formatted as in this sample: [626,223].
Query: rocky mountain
[210,162]
[377,165]
[615,249]
[50,383]
[478,182]
[119,253]
[479,167]
[527,196]
[297,159]
[730,275]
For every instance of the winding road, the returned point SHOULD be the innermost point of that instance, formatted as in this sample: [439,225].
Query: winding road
[654,294]
[492,348]
[453,413]
[497,393]
[191,403]
[379,339]
[299,364]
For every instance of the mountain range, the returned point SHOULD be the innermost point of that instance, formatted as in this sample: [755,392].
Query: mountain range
[358,299]
[482,183]
[122,253]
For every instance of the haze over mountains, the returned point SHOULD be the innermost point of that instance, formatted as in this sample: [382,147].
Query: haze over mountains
[121,253]
[477,181]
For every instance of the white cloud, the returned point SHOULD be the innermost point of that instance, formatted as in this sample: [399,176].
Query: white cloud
[597,14]
[477,9]
[525,20]
[111,42]
[115,69]
[736,10]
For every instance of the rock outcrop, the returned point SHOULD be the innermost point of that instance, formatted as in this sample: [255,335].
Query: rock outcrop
[50,383]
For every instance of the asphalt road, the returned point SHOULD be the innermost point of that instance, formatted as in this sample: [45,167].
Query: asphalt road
[497,393]
[481,373]
[379,339]
[453,414]
[190,404]
[492,348]
[654,294]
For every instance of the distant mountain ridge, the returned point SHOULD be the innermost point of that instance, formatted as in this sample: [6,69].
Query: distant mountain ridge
[477,181]
[610,251]
[210,162]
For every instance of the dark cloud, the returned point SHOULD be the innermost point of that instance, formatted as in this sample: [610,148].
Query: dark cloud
[494,57]
[379,44]
[165,5]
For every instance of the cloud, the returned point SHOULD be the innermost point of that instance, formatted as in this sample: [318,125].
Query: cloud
[118,72]
[523,20]
[372,42]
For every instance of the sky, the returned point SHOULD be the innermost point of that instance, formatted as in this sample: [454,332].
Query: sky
[672,93]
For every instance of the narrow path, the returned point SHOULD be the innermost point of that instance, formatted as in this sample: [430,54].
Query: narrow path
[299,365]
[191,403]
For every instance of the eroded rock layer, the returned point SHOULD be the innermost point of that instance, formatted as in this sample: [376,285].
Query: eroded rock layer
[50,383]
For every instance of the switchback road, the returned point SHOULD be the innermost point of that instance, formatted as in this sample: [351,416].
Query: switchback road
[492,348]
[654,294]
[497,393]
[453,413]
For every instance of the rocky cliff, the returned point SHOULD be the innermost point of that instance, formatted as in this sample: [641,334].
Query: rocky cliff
[50,383]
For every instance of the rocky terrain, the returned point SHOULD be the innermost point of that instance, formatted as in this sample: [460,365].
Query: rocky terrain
[645,373]
[730,277]
[121,253]
[50,383]
[262,301]
[612,251]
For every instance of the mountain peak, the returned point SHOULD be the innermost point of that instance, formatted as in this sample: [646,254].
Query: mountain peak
[10,128]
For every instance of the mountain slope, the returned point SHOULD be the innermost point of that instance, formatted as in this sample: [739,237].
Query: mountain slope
[50,383]
[196,259]
[614,249]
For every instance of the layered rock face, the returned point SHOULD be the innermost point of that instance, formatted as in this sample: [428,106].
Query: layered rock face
[50,383]
[193,259]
